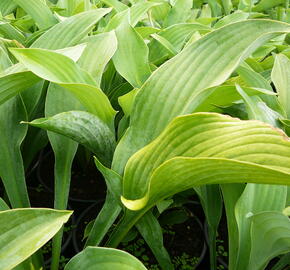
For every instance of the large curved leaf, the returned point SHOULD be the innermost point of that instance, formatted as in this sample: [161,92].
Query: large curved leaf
[98,258]
[62,70]
[207,135]
[204,171]
[24,231]
[201,65]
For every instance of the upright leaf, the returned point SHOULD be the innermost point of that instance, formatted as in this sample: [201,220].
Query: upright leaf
[70,31]
[281,78]
[11,164]
[39,12]
[131,57]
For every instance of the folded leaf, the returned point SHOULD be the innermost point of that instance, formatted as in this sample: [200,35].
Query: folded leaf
[273,230]
[201,65]
[207,135]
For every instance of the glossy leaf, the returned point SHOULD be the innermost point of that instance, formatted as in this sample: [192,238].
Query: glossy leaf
[24,231]
[98,258]
[83,127]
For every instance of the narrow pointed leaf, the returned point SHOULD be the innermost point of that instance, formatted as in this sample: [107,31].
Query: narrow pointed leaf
[70,31]
[281,78]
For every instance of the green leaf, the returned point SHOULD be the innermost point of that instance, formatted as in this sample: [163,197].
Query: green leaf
[11,164]
[62,70]
[6,7]
[100,47]
[267,4]
[203,171]
[84,128]
[232,18]
[272,229]
[255,199]
[281,78]
[3,205]
[59,100]
[176,35]
[98,258]
[258,110]
[14,83]
[39,12]
[179,13]
[24,231]
[10,32]
[50,65]
[70,31]
[131,57]
[151,231]
[201,65]
[204,135]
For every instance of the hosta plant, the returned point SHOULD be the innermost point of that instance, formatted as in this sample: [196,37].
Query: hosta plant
[167,96]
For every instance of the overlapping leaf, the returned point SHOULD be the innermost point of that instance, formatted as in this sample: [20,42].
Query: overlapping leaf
[62,70]
[206,135]
[200,65]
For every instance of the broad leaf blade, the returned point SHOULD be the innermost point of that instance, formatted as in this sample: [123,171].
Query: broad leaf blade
[206,135]
[23,231]
[200,65]
[98,258]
